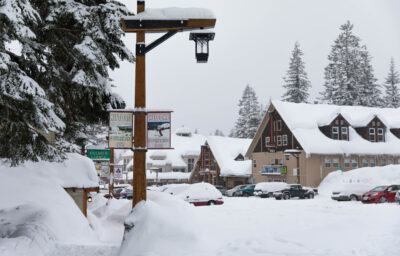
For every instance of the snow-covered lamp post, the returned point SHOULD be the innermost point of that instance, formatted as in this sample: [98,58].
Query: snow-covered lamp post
[202,48]
[296,153]
[168,21]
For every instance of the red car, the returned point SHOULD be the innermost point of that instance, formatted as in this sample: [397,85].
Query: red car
[381,194]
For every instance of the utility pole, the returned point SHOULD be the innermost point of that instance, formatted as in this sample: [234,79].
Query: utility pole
[111,183]
[139,164]
[169,24]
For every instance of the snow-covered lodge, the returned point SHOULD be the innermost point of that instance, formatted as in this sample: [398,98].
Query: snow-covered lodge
[222,162]
[328,137]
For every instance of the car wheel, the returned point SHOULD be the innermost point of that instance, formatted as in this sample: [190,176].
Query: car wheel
[246,194]
[311,196]
[211,203]
[286,197]
[353,198]
[277,198]
[382,200]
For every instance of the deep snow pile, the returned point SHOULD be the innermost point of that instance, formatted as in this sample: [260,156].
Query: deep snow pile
[270,186]
[368,176]
[35,211]
[163,225]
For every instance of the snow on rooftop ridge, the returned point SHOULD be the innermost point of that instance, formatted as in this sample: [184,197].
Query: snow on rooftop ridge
[183,131]
[173,13]
[304,121]
[225,150]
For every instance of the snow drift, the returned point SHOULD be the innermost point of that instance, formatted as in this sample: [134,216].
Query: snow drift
[368,176]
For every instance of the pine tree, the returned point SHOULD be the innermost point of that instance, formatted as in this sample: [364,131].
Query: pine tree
[392,94]
[368,88]
[296,81]
[218,132]
[249,115]
[61,73]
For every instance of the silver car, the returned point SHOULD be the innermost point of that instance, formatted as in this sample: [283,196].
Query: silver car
[235,191]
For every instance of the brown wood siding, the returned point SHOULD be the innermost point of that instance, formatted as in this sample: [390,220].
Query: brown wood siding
[374,123]
[339,122]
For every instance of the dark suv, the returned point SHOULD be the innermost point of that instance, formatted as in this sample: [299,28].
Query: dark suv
[294,190]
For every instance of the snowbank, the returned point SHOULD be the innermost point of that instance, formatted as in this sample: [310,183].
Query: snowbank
[36,212]
[367,177]
[270,186]
[163,225]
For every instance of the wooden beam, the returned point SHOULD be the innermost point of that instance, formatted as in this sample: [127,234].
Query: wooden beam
[135,25]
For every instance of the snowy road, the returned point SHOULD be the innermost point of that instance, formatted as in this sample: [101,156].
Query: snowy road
[255,226]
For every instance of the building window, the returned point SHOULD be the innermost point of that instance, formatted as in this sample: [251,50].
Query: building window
[287,157]
[381,137]
[279,140]
[347,162]
[373,123]
[267,140]
[383,162]
[327,162]
[272,161]
[371,132]
[284,140]
[390,161]
[372,162]
[344,133]
[341,122]
[335,132]
[335,162]
[337,122]
[280,161]
[398,161]
[190,164]
[354,163]
[254,163]
[279,125]
[364,162]
[378,123]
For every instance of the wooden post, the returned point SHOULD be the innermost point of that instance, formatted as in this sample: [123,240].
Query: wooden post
[139,166]
[111,182]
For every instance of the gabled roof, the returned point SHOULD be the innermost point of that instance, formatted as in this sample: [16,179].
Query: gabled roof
[225,150]
[304,119]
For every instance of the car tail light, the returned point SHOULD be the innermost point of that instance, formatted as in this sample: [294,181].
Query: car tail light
[124,194]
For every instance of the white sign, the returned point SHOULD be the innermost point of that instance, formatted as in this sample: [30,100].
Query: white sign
[105,171]
[159,130]
[118,171]
[294,171]
[120,133]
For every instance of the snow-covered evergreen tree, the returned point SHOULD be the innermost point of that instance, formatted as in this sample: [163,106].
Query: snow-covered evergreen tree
[249,115]
[349,78]
[368,88]
[61,72]
[392,94]
[296,80]
[218,132]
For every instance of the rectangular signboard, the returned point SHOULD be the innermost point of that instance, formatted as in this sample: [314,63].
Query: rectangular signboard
[274,169]
[159,130]
[98,154]
[120,133]
[118,171]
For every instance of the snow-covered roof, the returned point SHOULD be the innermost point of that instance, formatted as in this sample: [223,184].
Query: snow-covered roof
[173,13]
[151,175]
[225,150]
[183,130]
[182,147]
[304,119]
[76,171]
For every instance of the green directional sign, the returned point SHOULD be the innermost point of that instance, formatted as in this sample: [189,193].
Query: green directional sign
[99,154]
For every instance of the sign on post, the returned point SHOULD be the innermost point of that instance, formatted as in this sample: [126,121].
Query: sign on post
[99,154]
[159,130]
[118,171]
[120,133]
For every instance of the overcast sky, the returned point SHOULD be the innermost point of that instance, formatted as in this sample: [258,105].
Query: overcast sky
[253,44]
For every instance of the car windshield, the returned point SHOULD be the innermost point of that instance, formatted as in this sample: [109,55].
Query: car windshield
[380,188]
[250,186]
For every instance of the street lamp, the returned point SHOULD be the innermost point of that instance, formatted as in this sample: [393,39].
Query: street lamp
[202,48]
[296,153]
[168,21]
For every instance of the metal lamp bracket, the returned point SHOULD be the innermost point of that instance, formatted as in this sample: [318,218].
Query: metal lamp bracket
[142,49]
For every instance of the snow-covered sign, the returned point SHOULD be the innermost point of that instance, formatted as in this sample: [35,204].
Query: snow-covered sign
[118,169]
[159,130]
[120,129]
[105,170]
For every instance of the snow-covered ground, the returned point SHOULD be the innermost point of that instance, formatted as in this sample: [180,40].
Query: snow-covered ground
[254,226]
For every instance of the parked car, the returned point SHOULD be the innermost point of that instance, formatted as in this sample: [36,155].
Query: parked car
[247,191]
[294,190]
[116,193]
[197,194]
[235,191]
[221,189]
[350,192]
[398,196]
[267,189]
[381,194]
[127,193]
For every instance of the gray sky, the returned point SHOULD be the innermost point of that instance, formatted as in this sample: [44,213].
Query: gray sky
[253,44]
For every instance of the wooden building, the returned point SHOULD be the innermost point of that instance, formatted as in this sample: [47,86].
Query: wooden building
[222,162]
[327,137]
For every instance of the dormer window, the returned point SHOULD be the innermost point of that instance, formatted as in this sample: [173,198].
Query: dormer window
[345,133]
[279,125]
[371,134]
[381,135]
[335,132]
